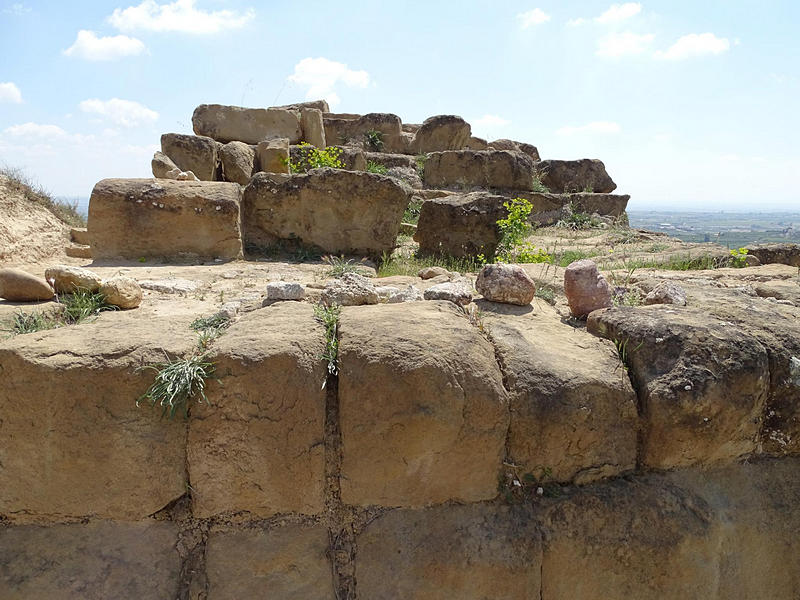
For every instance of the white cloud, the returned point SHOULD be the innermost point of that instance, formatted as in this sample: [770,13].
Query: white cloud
[576,22]
[533,17]
[620,44]
[619,12]
[126,113]
[695,44]
[17,9]
[595,127]
[321,76]
[34,130]
[180,16]
[491,121]
[90,47]
[9,92]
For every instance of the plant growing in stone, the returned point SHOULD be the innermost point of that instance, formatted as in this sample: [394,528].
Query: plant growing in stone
[210,328]
[420,160]
[339,265]
[82,304]
[514,228]
[329,317]
[374,140]
[376,167]
[536,183]
[32,322]
[178,383]
[577,220]
[312,157]
[738,258]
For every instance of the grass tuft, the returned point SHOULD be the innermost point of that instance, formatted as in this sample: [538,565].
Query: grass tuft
[329,317]
[178,383]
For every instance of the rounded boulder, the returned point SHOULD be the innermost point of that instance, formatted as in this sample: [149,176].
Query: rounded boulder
[122,292]
[19,286]
[509,284]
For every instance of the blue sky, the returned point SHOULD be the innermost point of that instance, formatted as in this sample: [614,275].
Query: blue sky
[690,104]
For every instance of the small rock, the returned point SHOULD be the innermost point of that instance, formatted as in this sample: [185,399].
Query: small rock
[440,279]
[229,310]
[456,292]
[509,284]
[285,290]
[351,289]
[67,279]
[431,272]
[122,292]
[179,175]
[667,292]
[19,286]
[170,286]
[586,289]
[384,291]
[410,294]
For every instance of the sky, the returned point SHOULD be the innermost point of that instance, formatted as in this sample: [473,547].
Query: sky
[691,105]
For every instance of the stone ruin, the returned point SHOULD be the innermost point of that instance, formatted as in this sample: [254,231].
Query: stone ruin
[228,189]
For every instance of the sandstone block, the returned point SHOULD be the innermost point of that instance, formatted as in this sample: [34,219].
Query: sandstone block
[576,176]
[313,128]
[92,561]
[573,410]
[471,169]
[456,292]
[78,445]
[343,212]
[285,290]
[237,159]
[666,292]
[351,289]
[702,383]
[131,218]
[273,155]
[122,292]
[161,165]
[79,235]
[442,132]
[466,552]
[509,284]
[353,130]
[431,272]
[258,447]
[283,562]
[787,254]
[193,153]
[19,286]
[321,105]
[422,406]
[586,288]
[249,125]
[66,279]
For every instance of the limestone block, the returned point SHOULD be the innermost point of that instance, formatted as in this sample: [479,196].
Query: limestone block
[193,153]
[249,125]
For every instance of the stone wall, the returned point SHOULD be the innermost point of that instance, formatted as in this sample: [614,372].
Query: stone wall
[438,463]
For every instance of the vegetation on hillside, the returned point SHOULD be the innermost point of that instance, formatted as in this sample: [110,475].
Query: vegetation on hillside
[33,192]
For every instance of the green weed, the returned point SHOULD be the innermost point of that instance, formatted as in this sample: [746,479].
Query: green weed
[329,317]
[374,140]
[376,167]
[177,384]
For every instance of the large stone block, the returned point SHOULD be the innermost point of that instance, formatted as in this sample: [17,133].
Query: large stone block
[573,410]
[131,218]
[466,552]
[258,447]
[460,224]
[93,561]
[74,442]
[422,406]
[353,130]
[338,211]
[283,562]
[313,129]
[249,125]
[787,254]
[702,383]
[191,153]
[471,169]
[584,175]
[442,132]
[238,160]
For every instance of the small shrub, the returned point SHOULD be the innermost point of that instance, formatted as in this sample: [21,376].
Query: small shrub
[528,253]
[178,383]
[513,228]
[738,258]
[329,317]
[339,266]
[314,158]
[374,140]
[411,214]
[376,167]
[420,160]
[538,186]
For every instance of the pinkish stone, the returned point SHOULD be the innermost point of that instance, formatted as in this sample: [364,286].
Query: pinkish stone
[586,288]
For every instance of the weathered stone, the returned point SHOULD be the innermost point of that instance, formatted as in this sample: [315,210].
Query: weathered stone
[249,125]
[391,160]
[461,224]
[78,251]
[19,286]
[343,212]
[273,155]
[431,272]
[351,289]
[456,292]
[283,562]
[321,105]
[90,561]
[237,159]
[509,284]
[607,205]
[313,129]
[513,146]
[353,129]
[258,447]
[586,288]
[530,150]
[78,445]
[666,292]
[175,285]
[122,292]
[79,235]
[576,176]
[192,153]
[406,174]
[702,383]
[133,218]
[177,175]
[422,406]
[66,279]
[409,294]
[471,169]
[573,410]
[161,165]
[476,143]
[466,552]
[285,290]
[787,254]
[442,132]
[411,127]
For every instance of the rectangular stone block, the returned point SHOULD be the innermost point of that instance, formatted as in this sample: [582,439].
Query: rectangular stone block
[197,154]
[353,129]
[313,129]
[249,125]
[259,447]
[273,155]
[422,407]
[92,561]
[287,561]
[74,442]
[472,169]
[134,218]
